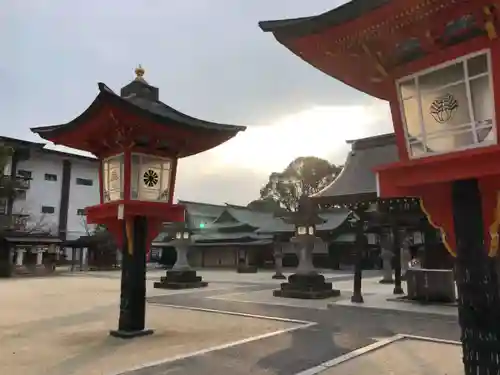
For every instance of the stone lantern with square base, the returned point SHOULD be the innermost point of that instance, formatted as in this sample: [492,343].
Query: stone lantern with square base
[181,276]
[306,282]
[138,140]
[436,63]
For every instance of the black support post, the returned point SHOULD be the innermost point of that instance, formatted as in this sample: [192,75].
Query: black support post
[132,318]
[357,296]
[396,248]
[478,297]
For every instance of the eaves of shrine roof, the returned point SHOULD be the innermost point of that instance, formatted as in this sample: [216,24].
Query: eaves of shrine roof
[154,109]
[203,209]
[333,219]
[218,236]
[357,181]
[293,28]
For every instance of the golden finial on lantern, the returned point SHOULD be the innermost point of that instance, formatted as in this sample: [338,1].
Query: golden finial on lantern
[139,72]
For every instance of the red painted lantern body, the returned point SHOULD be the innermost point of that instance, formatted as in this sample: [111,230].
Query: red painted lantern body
[138,140]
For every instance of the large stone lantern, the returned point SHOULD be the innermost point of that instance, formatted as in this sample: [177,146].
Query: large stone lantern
[306,282]
[181,276]
[138,140]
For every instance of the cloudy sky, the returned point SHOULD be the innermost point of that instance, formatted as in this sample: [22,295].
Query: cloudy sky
[209,59]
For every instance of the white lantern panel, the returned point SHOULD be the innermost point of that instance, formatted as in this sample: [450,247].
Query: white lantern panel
[449,107]
[150,178]
[113,178]
[301,230]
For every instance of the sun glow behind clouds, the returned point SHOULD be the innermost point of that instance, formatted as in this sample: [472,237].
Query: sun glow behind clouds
[319,131]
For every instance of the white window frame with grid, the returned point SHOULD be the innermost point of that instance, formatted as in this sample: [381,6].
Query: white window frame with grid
[106,179]
[136,178]
[472,126]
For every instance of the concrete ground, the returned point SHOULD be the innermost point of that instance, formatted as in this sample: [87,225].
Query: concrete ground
[59,325]
[406,355]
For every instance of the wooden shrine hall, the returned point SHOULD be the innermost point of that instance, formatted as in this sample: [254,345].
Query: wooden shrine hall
[357,183]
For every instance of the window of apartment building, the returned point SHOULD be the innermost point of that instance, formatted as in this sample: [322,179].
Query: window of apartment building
[24,173]
[84,182]
[80,211]
[50,177]
[48,209]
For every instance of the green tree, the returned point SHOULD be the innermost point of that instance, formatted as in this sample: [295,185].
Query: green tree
[304,175]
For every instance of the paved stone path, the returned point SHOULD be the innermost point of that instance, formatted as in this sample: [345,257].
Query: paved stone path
[233,326]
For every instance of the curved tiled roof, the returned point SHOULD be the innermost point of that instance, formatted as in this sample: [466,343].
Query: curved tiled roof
[315,24]
[357,180]
[143,106]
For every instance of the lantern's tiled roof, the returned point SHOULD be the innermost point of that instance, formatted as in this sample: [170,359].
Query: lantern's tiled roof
[357,180]
[311,25]
[142,106]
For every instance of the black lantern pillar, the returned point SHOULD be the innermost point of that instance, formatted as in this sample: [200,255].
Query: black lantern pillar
[181,276]
[360,225]
[306,283]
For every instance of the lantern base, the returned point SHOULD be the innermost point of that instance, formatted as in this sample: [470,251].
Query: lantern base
[180,280]
[279,276]
[307,286]
[130,334]
[244,268]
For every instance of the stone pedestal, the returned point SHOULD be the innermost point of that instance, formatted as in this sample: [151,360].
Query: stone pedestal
[405,259]
[181,276]
[19,267]
[386,256]
[429,285]
[243,263]
[39,267]
[176,279]
[278,266]
[306,286]
[306,283]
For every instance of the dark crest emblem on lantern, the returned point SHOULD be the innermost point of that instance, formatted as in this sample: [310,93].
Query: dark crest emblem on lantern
[150,178]
[443,108]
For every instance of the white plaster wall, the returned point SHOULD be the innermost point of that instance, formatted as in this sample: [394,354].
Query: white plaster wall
[81,196]
[48,193]
[41,192]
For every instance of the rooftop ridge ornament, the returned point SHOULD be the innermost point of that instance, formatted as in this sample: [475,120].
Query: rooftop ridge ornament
[139,73]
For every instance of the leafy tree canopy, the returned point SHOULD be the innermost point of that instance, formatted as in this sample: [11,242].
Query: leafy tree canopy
[305,175]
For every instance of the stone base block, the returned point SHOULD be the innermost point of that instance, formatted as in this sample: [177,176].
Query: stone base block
[386,281]
[180,280]
[130,334]
[278,276]
[21,270]
[246,269]
[429,285]
[357,298]
[311,286]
